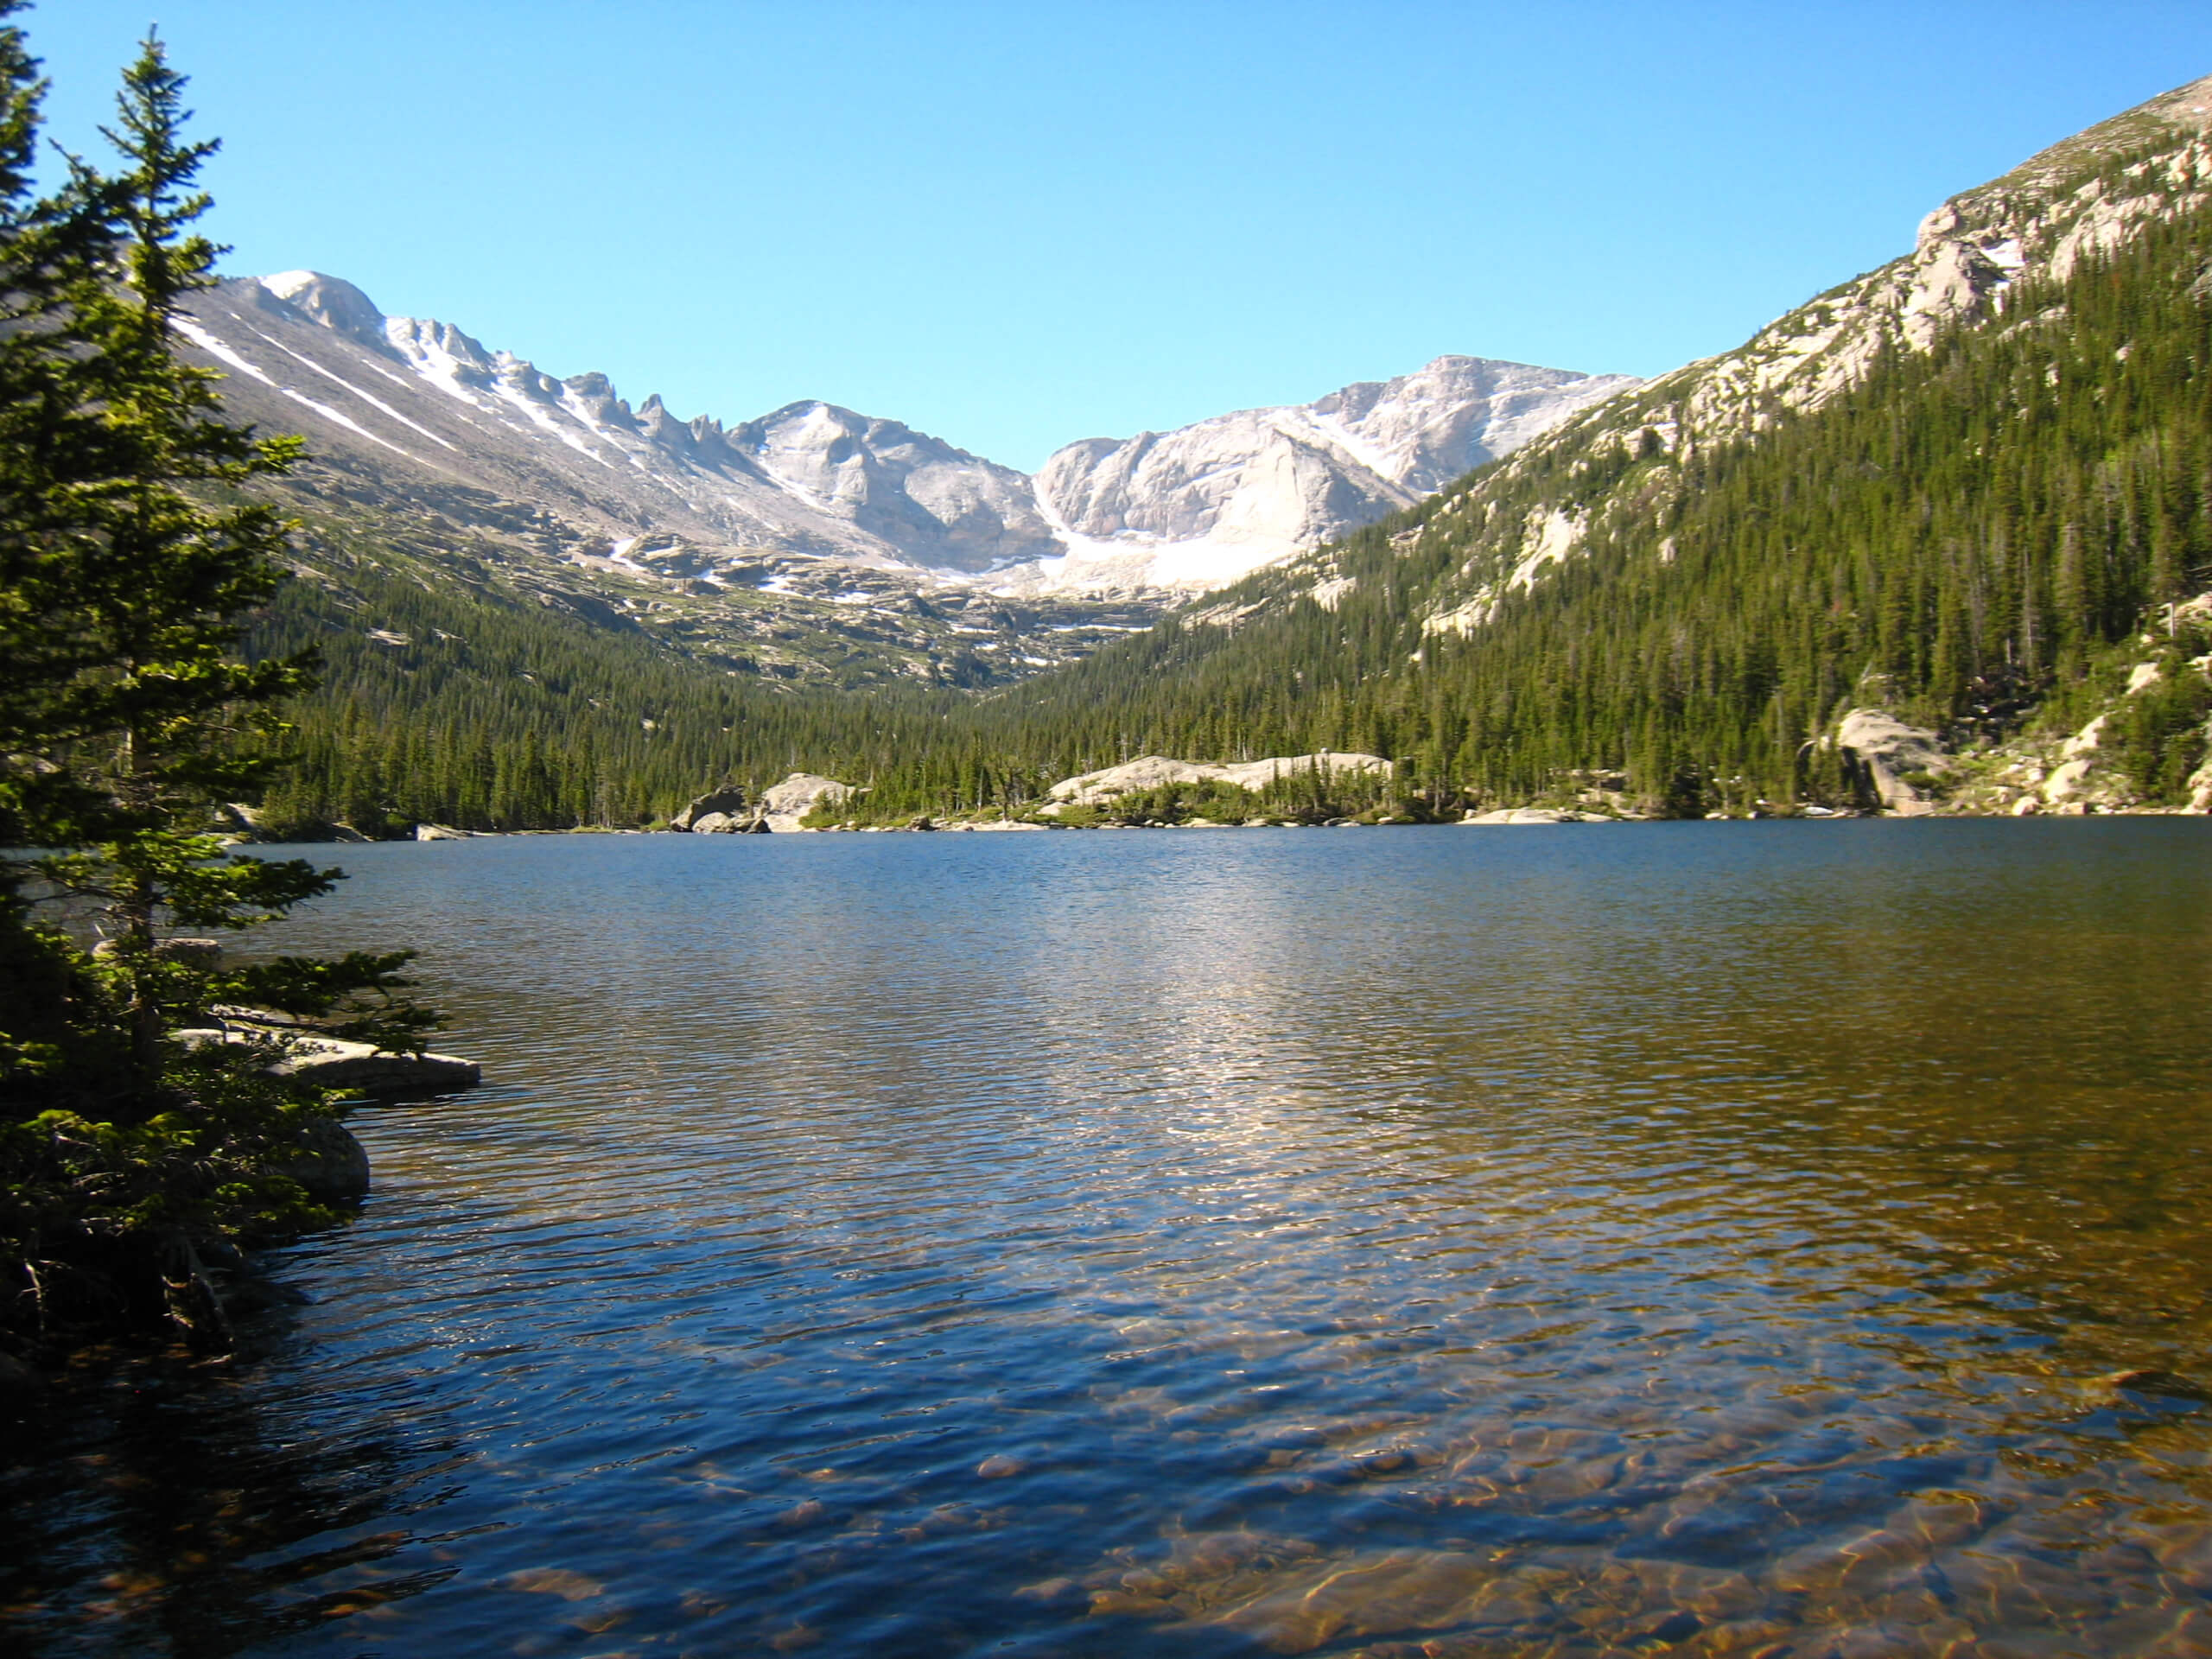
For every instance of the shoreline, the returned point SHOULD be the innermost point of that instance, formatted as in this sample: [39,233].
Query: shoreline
[1502,817]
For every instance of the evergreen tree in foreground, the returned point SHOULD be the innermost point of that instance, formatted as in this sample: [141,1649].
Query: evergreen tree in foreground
[127,721]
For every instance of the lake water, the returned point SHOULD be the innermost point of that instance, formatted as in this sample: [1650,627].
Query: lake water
[1734,1238]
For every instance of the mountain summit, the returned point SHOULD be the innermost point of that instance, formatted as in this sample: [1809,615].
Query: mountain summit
[414,400]
[420,405]
[1196,507]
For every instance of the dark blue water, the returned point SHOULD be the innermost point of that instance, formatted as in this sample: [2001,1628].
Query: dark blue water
[1753,1238]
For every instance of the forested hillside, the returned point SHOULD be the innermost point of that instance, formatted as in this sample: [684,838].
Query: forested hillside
[471,705]
[1959,538]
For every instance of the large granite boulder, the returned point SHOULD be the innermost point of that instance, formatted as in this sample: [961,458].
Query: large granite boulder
[1524,815]
[726,807]
[1150,771]
[786,803]
[1893,759]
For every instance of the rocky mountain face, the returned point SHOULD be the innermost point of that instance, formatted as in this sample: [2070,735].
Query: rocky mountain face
[812,544]
[1194,508]
[813,540]
[423,398]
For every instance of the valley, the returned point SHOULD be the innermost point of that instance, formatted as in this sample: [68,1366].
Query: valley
[1952,489]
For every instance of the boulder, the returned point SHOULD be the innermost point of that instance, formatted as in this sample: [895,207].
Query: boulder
[2069,782]
[442,832]
[336,1064]
[331,1162]
[1882,749]
[784,804]
[727,804]
[1521,815]
[1154,771]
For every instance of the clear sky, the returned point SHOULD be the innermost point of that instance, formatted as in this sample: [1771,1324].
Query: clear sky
[1014,225]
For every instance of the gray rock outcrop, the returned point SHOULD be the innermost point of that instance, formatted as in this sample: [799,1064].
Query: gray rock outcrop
[785,804]
[1536,815]
[717,812]
[1887,754]
[1155,771]
[1202,505]
[336,1064]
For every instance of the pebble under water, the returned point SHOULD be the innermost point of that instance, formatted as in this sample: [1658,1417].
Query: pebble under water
[1600,1240]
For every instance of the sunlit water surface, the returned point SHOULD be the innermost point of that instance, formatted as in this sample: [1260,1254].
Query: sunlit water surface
[1773,1238]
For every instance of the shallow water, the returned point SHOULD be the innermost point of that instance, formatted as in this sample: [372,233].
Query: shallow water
[1748,1238]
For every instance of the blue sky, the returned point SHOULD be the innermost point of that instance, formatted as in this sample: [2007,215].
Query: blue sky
[1016,224]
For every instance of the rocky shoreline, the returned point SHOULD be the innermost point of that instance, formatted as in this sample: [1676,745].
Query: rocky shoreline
[1890,768]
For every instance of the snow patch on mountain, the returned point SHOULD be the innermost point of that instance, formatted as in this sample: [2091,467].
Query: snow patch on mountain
[1154,516]
[1201,506]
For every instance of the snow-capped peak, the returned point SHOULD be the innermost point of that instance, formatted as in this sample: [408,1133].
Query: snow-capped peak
[1184,510]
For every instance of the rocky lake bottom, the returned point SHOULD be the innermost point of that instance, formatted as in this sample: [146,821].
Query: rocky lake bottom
[1761,1238]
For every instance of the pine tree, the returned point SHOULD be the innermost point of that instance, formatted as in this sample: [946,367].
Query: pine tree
[128,720]
[160,725]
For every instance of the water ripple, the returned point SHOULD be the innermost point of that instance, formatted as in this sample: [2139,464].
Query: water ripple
[1715,1239]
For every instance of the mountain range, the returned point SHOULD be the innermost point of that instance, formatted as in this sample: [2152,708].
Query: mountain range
[422,406]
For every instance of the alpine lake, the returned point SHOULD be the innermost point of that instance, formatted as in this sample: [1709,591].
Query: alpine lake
[1763,1238]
